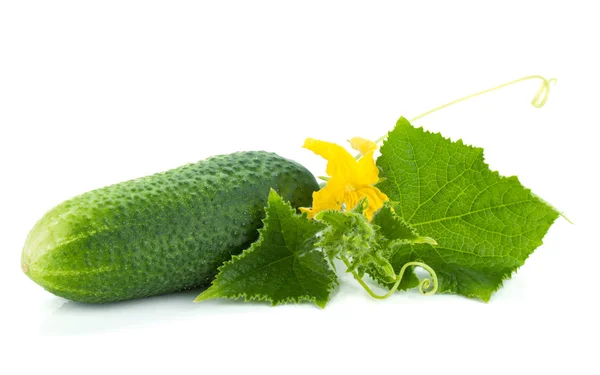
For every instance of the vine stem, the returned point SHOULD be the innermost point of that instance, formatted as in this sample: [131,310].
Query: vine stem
[538,100]
[423,284]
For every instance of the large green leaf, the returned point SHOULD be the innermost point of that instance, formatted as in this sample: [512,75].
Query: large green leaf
[485,225]
[282,266]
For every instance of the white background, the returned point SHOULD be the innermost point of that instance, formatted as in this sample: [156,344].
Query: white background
[93,93]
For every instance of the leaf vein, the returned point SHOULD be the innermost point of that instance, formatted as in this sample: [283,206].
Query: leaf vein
[469,213]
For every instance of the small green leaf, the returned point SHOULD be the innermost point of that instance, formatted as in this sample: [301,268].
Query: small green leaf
[391,226]
[385,266]
[394,232]
[282,266]
[485,225]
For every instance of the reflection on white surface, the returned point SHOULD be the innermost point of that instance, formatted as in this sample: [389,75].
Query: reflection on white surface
[81,318]
[179,311]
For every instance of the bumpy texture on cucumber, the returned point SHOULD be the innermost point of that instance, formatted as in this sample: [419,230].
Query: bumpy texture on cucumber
[161,233]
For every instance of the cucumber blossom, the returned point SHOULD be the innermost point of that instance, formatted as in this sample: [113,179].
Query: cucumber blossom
[161,233]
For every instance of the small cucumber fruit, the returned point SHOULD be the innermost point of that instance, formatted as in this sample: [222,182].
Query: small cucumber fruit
[161,233]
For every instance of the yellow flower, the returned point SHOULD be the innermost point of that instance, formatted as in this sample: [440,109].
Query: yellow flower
[350,179]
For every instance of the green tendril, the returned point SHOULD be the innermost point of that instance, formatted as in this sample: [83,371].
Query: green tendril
[538,101]
[423,284]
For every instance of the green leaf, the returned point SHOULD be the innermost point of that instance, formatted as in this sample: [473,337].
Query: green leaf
[485,225]
[282,266]
[393,227]
[394,232]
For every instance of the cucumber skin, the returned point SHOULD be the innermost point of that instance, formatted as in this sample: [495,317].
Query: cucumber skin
[162,233]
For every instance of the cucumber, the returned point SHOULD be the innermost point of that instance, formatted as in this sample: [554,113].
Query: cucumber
[161,233]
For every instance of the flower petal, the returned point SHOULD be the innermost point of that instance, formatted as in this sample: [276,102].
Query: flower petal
[309,211]
[339,161]
[362,145]
[329,197]
[366,171]
[375,198]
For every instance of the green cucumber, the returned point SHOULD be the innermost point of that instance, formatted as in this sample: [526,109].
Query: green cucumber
[161,233]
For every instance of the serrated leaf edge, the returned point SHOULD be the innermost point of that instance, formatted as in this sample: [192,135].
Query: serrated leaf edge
[212,290]
[495,173]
